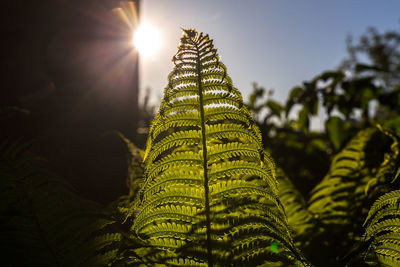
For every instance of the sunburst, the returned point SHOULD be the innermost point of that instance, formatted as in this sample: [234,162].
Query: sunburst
[145,38]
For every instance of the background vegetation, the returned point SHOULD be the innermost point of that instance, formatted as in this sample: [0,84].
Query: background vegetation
[362,92]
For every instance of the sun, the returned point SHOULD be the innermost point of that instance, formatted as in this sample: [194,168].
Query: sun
[147,40]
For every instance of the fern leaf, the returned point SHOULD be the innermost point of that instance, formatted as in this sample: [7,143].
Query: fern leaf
[383,229]
[208,189]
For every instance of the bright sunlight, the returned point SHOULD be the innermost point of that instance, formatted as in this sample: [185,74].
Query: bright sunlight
[146,40]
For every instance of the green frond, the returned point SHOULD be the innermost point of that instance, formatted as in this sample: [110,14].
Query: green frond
[359,173]
[203,158]
[299,218]
[383,229]
[353,172]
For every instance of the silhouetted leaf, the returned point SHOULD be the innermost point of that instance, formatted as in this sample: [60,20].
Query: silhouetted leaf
[275,107]
[304,120]
[335,129]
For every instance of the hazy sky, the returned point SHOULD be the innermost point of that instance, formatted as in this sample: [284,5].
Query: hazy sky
[277,44]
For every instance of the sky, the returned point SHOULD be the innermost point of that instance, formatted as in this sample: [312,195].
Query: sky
[277,44]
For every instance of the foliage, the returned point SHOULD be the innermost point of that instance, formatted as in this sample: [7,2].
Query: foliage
[351,98]
[326,215]
[45,221]
[329,227]
[360,173]
[302,155]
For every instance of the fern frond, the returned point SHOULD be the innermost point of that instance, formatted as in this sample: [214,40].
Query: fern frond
[341,193]
[44,223]
[299,217]
[360,173]
[383,229]
[203,158]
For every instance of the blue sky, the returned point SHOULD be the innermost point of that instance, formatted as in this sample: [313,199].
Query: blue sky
[278,44]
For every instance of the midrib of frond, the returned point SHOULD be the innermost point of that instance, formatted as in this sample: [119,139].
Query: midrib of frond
[205,164]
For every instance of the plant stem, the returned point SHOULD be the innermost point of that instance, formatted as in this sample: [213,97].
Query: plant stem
[206,189]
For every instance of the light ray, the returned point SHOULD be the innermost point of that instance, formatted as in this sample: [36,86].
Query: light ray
[127,14]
